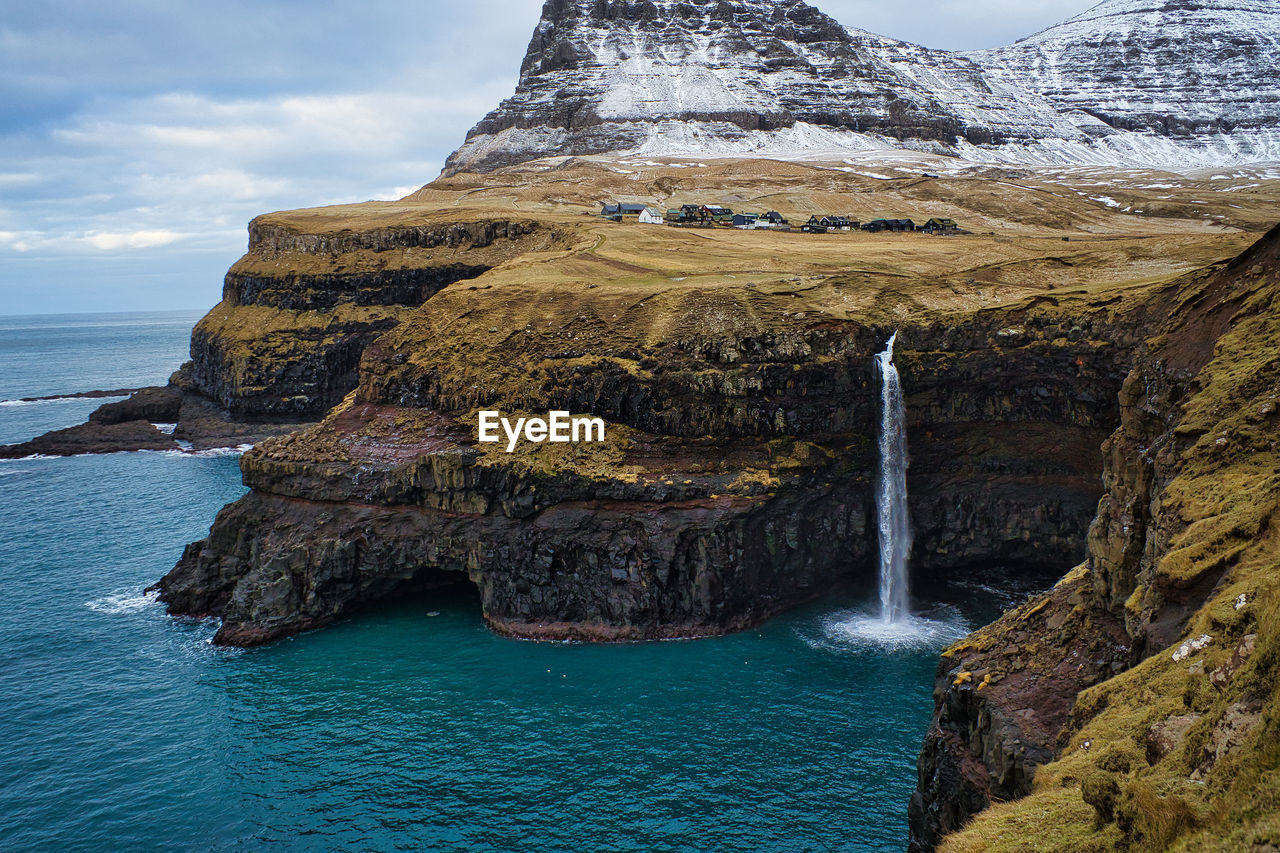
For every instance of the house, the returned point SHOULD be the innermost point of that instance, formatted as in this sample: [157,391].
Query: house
[718,215]
[876,225]
[940,226]
[745,220]
[773,217]
[691,213]
[652,216]
[822,224]
[621,209]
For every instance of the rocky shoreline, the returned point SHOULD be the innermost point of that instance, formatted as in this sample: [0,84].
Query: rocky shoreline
[1015,695]
[737,478]
[194,423]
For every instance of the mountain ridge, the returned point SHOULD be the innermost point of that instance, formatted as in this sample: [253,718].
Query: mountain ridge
[758,78]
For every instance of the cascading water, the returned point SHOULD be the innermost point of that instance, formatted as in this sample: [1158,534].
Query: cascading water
[894,627]
[891,491]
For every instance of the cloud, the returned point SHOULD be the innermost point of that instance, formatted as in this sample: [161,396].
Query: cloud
[139,132]
[132,240]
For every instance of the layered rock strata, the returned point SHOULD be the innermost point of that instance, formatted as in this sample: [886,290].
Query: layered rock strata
[1180,548]
[662,530]
[1127,82]
[299,308]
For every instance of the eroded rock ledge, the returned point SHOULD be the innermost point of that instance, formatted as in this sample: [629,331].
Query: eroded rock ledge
[1125,704]
[300,307]
[662,531]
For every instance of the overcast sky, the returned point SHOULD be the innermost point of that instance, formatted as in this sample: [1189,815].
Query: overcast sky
[138,137]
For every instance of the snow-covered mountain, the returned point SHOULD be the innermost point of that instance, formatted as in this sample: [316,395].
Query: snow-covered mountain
[1142,82]
[1204,74]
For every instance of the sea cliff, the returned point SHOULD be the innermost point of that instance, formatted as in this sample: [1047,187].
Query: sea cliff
[1134,705]
[1069,396]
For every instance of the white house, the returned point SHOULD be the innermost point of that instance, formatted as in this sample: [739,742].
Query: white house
[651,216]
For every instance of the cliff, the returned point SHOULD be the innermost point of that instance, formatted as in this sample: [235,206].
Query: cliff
[665,530]
[1134,706]
[1127,82]
[299,308]
[733,370]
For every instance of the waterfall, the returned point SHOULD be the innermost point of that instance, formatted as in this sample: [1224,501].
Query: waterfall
[891,491]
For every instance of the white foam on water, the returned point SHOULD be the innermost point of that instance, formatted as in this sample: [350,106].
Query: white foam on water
[55,400]
[118,603]
[209,453]
[167,429]
[855,630]
[213,452]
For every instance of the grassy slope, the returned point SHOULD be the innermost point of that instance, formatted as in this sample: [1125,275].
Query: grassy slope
[604,286]
[1185,754]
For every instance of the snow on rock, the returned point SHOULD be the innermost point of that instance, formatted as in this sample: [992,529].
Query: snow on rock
[1161,83]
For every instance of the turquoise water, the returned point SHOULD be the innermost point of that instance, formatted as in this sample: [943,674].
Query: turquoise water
[407,728]
[68,353]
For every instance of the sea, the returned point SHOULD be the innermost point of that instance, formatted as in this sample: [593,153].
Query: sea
[411,726]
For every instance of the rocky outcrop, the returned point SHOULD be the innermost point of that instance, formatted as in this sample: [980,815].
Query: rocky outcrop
[298,310]
[1171,543]
[569,554]
[1001,697]
[190,422]
[157,405]
[92,438]
[660,531]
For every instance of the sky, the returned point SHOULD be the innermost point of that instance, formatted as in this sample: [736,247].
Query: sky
[139,137]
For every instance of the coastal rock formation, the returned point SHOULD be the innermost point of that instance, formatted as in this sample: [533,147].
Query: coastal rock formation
[190,421]
[299,308]
[662,530]
[733,371]
[1128,82]
[92,438]
[1094,680]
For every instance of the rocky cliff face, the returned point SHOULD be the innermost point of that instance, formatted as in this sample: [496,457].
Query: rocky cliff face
[1179,549]
[661,531]
[1132,82]
[666,76]
[298,309]
[1183,69]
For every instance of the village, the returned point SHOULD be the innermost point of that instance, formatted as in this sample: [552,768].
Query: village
[713,216]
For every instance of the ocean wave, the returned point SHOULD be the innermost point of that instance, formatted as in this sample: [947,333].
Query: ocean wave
[119,603]
[212,452]
[207,453]
[21,403]
[863,630]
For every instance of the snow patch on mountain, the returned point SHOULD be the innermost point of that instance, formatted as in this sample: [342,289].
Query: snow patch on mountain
[1160,83]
